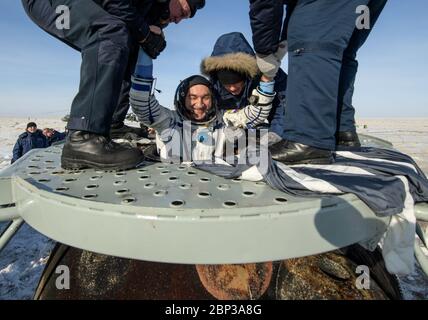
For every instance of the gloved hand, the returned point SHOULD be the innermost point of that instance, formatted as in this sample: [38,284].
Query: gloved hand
[261,99]
[235,118]
[269,64]
[252,115]
[153,44]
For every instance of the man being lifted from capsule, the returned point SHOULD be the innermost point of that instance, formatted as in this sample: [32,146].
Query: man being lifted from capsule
[196,130]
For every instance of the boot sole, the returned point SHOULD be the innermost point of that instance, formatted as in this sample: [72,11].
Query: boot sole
[77,164]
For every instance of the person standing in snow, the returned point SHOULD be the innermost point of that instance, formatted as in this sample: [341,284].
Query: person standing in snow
[31,139]
[53,136]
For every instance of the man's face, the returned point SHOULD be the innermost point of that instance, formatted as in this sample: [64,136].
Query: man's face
[235,88]
[32,129]
[198,101]
[48,133]
[179,10]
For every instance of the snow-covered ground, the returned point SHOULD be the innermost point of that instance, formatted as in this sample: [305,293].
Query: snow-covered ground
[22,263]
[23,260]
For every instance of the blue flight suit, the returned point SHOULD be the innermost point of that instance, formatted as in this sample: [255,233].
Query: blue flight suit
[106,32]
[323,42]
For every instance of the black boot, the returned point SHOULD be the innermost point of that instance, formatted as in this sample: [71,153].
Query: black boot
[348,139]
[122,131]
[89,150]
[290,153]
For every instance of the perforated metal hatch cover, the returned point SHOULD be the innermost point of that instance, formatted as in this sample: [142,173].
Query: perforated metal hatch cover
[153,185]
[172,213]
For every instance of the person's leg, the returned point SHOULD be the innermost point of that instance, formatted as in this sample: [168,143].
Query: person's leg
[276,118]
[118,128]
[346,112]
[103,41]
[123,104]
[319,32]
[43,13]
[276,128]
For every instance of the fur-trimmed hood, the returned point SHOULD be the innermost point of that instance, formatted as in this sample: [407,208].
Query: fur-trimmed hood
[233,52]
[240,62]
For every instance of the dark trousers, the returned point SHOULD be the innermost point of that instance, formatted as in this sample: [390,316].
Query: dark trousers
[323,43]
[123,105]
[104,43]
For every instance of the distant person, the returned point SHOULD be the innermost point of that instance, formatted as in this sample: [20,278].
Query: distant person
[233,70]
[53,136]
[31,139]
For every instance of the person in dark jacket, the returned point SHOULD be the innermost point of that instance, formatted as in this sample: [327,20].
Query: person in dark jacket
[323,38]
[108,34]
[232,68]
[53,136]
[31,139]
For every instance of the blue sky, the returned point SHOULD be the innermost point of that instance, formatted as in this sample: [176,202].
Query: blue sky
[39,75]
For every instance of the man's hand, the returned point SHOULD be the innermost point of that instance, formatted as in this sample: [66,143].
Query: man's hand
[235,118]
[269,65]
[156,30]
[154,43]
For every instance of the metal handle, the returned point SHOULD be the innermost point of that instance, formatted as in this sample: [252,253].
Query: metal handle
[10,231]
[421,257]
[8,212]
[421,212]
